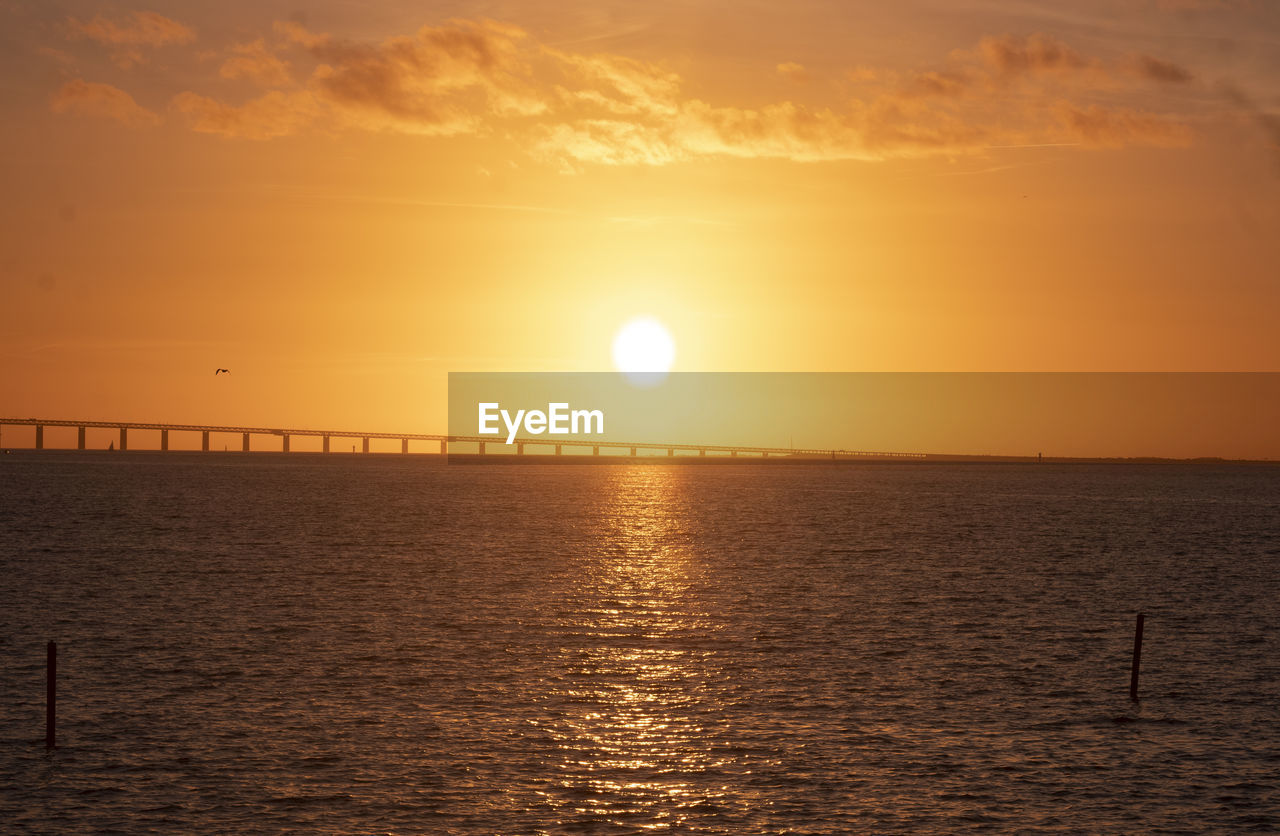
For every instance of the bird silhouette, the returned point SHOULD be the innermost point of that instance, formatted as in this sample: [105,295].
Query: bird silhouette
[220,371]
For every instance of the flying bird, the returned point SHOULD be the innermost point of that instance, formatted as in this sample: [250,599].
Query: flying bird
[220,371]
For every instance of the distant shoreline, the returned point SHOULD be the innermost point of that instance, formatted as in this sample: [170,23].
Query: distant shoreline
[576,459]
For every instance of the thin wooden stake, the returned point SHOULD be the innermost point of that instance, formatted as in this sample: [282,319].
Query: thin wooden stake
[50,694]
[1137,660]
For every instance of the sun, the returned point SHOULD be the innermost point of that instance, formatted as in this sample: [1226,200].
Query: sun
[643,346]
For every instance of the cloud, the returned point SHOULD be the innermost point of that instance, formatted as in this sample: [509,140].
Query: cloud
[1002,62]
[793,72]
[784,131]
[606,142]
[441,80]
[964,107]
[1155,69]
[1101,127]
[940,83]
[254,62]
[101,100]
[142,29]
[479,77]
[271,115]
[615,83]
[1013,56]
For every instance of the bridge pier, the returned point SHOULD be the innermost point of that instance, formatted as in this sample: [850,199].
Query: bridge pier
[124,438]
[404,445]
[326,444]
[557,449]
[733,454]
[204,440]
[39,437]
[286,442]
[366,445]
[671,451]
[244,443]
[633,452]
[164,440]
[595,451]
[444,446]
[482,448]
[702,451]
[80,439]
[520,449]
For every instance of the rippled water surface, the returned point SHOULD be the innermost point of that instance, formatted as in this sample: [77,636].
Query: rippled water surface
[388,645]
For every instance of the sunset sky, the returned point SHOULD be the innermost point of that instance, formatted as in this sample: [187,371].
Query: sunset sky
[343,202]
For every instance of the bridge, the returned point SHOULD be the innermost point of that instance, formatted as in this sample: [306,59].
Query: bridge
[633,448]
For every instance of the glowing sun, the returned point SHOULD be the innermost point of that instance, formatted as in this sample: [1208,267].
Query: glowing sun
[643,346]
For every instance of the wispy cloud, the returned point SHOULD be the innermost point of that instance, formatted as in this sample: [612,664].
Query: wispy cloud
[274,114]
[101,100]
[571,109]
[441,80]
[256,62]
[128,36]
[794,72]
[1164,71]
[1117,127]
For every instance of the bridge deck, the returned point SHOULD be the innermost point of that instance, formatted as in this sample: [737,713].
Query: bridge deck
[558,441]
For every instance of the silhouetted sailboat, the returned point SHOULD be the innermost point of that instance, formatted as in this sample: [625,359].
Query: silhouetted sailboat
[111,446]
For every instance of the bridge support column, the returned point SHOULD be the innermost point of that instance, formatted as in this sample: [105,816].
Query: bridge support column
[766,455]
[702,451]
[164,439]
[404,445]
[444,446]
[244,443]
[285,448]
[595,451]
[124,438]
[204,440]
[366,445]
[557,449]
[39,437]
[326,444]
[671,451]
[482,448]
[633,452]
[80,439]
[520,449]
[733,454]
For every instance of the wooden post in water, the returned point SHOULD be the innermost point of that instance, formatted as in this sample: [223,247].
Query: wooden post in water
[50,694]
[1137,660]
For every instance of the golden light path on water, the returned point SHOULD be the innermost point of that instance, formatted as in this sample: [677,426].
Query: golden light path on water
[638,714]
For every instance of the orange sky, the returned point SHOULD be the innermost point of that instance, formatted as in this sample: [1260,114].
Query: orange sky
[342,206]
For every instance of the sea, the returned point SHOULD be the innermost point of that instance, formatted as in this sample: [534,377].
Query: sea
[307,643]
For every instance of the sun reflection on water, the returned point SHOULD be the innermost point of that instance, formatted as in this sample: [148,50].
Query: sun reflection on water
[634,712]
